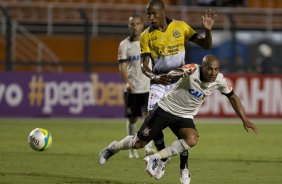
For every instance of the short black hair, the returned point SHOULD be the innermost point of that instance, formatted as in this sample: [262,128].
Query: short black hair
[158,3]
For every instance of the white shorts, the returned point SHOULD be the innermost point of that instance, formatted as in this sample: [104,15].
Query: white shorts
[157,91]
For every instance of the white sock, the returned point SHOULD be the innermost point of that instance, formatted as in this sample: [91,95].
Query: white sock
[149,145]
[125,144]
[176,148]
[131,128]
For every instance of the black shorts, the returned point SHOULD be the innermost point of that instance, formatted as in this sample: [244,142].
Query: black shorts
[158,120]
[135,104]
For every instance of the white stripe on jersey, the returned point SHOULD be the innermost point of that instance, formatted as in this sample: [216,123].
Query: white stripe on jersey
[185,99]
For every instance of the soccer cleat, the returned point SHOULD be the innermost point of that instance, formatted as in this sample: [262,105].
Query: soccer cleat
[133,153]
[160,170]
[107,153]
[185,176]
[152,162]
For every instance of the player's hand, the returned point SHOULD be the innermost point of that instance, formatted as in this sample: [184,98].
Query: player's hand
[249,125]
[129,86]
[161,79]
[208,19]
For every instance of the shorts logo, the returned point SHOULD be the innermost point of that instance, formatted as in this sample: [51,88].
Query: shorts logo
[176,34]
[146,131]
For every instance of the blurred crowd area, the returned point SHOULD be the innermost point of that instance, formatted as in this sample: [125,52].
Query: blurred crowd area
[78,36]
[218,3]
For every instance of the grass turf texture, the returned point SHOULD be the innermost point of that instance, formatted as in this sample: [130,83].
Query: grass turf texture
[225,154]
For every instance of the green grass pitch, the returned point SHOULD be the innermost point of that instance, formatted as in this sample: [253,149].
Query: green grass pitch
[225,154]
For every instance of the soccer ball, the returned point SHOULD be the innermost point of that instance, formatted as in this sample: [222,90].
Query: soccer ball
[40,139]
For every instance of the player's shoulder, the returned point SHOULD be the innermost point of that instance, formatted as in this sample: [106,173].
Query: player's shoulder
[125,42]
[178,22]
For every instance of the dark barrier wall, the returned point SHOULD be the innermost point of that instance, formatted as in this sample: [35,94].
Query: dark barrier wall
[101,95]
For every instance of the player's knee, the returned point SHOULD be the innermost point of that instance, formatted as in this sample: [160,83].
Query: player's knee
[191,140]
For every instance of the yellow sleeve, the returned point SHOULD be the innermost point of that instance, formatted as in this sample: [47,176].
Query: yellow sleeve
[144,43]
[189,31]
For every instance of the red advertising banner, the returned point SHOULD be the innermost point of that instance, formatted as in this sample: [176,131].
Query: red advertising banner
[261,96]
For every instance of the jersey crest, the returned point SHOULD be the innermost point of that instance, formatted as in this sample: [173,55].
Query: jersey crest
[176,34]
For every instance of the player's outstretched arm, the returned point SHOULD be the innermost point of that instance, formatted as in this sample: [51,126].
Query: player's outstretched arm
[208,19]
[179,73]
[239,109]
[207,23]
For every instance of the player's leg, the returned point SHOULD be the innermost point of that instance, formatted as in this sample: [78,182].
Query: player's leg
[150,127]
[143,101]
[188,138]
[184,173]
[127,143]
[130,101]
[157,91]
[160,169]
[131,131]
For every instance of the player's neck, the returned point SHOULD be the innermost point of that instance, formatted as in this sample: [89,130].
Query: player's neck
[202,78]
[163,27]
[134,37]
[165,24]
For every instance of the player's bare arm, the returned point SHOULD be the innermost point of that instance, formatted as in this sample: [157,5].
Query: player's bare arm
[207,23]
[239,109]
[159,79]
[179,73]
[123,70]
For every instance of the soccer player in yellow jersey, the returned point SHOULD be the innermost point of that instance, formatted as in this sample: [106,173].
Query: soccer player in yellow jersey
[164,42]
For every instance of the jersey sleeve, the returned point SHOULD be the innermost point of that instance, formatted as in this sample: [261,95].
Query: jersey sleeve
[189,31]
[144,44]
[189,67]
[122,52]
[223,85]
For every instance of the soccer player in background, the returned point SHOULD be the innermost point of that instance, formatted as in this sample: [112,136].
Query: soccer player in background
[164,42]
[176,110]
[137,84]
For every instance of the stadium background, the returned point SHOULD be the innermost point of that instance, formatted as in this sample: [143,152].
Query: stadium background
[58,61]
[58,55]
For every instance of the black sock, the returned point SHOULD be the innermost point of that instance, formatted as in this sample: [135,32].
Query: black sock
[184,160]
[159,143]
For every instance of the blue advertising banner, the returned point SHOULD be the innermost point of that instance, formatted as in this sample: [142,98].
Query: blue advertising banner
[61,95]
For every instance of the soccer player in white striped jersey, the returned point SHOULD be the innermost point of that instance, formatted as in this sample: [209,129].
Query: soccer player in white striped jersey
[137,85]
[177,109]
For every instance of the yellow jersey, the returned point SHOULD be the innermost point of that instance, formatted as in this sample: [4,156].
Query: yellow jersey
[166,49]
